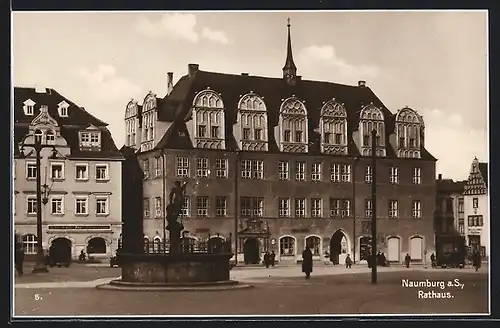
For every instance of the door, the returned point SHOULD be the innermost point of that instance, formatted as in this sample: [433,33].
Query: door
[251,251]
[416,248]
[393,251]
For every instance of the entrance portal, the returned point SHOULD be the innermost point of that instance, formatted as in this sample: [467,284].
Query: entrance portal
[338,247]
[60,250]
[365,245]
[251,251]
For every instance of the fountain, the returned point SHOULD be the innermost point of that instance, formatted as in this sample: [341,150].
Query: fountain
[181,267]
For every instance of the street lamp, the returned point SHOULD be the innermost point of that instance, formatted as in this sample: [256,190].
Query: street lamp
[40,266]
[374,207]
[354,165]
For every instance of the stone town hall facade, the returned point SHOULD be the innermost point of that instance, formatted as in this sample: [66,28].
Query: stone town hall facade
[284,162]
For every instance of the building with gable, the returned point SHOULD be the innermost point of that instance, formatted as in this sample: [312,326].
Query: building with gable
[81,178]
[284,162]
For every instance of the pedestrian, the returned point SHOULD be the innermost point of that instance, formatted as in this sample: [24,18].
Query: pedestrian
[307,262]
[19,257]
[272,258]
[476,260]
[267,259]
[348,261]
[82,256]
[433,260]
[407,260]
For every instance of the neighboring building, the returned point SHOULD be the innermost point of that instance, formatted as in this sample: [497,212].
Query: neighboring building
[82,177]
[476,203]
[285,162]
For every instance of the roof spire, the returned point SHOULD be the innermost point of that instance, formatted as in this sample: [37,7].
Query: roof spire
[289,70]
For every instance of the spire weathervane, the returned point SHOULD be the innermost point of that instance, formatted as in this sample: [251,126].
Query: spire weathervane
[289,70]
[288,20]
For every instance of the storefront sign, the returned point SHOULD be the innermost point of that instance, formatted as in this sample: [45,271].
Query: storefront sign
[302,230]
[80,227]
[474,231]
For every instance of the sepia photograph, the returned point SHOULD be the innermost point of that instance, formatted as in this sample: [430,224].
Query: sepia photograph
[250,164]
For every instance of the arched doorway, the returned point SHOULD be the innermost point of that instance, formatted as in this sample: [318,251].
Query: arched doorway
[365,246]
[338,247]
[251,251]
[215,245]
[60,249]
[96,245]
[393,249]
[314,244]
[416,248]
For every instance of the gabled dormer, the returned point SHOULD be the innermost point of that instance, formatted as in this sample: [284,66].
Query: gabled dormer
[132,128]
[44,127]
[90,138]
[250,129]
[149,118]
[371,118]
[477,181]
[62,109]
[333,128]
[292,133]
[408,133]
[29,107]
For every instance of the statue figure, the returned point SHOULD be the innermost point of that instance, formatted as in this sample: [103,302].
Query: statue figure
[176,202]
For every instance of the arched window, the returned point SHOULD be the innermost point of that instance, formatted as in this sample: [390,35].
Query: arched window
[96,245]
[333,128]
[287,246]
[409,128]
[50,137]
[38,136]
[314,244]
[29,244]
[251,131]
[372,118]
[293,126]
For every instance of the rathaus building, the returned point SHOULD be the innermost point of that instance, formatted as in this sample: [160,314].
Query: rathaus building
[281,163]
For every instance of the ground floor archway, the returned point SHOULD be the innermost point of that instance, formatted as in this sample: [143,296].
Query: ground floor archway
[393,249]
[251,251]
[60,249]
[339,247]
[96,245]
[416,248]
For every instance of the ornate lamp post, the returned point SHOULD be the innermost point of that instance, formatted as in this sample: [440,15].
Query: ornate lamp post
[41,197]
[374,208]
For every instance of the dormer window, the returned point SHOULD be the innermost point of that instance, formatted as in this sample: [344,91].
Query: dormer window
[63,109]
[29,107]
[215,132]
[38,136]
[90,139]
[202,131]
[50,137]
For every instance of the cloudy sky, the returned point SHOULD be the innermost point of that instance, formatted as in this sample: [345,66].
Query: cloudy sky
[434,62]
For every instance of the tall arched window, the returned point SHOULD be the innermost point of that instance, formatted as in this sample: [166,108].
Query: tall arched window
[208,120]
[371,118]
[333,128]
[287,246]
[251,129]
[293,132]
[409,129]
[29,244]
[38,136]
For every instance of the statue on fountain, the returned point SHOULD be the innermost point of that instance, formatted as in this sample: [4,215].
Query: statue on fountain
[174,208]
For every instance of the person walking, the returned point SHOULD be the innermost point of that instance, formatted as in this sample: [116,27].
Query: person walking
[433,261]
[307,262]
[19,257]
[476,260]
[267,259]
[407,260]
[272,258]
[348,262]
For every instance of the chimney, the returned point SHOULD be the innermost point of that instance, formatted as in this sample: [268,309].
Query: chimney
[39,89]
[192,69]
[244,74]
[440,176]
[361,84]
[170,82]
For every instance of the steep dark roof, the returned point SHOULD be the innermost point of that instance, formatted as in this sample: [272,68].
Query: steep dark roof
[449,186]
[178,105]
[483,168]
[78,119]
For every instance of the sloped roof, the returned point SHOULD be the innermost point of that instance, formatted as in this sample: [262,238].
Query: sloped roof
[177,106]
[483,168]
[78,119]
[449,186]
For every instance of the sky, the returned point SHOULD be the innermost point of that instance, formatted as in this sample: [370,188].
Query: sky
[433,62]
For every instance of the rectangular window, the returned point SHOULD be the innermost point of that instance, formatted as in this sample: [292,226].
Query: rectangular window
[368,174]
[101,172]
[416,209]
[316,207]
[393,208]
[401,142]
[30,170]
[221,205]
[221,167]
[335,172]
[346,173]
[102,207]
[252,169]
[284,207]
[31,205]
[327,136]
[202,167]
[158,207]
[158,166]
[461,226]
[475,202]
[90,139]
[393,175]
[416,176]
[283,170]
[366,140]
[338,138]
[82,171]
[460,205]
[81,205]
[252,206]
[145,204]
[300,171]
[215,132]
[182,167]
[186,207]
[287,135]
[57,205]
[202,131]
[300,207]
[316,172]
[298,136]
[368,208]
[246,134]
[202,206]
[258,134]
[56,171]
[145,168]
[475,220]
